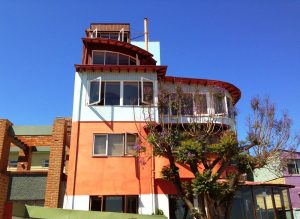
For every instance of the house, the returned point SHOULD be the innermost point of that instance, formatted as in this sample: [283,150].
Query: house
[32,165]
[116,92]
[290,176]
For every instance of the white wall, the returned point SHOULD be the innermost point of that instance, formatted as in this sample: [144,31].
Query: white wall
[81,202]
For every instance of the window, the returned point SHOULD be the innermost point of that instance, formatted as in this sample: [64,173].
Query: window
[200,103]
[121,203]
[112,93]
[114,144]
[147,91]
[109,93]
[187,104]
[131,93]
[94,91]
[219,103]
[294,166]
[45,163]
[112,58]
[229,108]
[13,163]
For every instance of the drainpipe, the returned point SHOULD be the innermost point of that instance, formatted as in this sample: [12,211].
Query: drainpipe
[153,181]
[146,34]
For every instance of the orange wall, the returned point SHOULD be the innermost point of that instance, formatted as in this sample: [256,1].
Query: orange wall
[115,175]
[102,175]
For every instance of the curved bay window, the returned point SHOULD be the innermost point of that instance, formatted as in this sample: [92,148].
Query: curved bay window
[112,58]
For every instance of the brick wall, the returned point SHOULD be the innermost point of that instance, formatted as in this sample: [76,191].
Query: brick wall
[56,162]
[41,140]
[4,153]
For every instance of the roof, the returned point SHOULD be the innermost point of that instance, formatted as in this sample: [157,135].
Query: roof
[32,130]
[161,70]
[233,90]
[250,183]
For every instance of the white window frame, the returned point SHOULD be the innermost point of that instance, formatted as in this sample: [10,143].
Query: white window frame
[99,80]
[125,151]
[142,90]
[106,145]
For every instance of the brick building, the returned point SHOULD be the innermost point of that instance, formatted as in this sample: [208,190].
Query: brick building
[32,165]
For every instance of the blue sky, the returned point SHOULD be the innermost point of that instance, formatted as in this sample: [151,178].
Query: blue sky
[253,44]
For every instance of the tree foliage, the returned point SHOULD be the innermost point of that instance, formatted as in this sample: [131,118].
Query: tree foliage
[210,148]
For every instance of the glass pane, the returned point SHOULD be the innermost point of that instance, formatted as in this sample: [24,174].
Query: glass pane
[174,104]
[94,92]
[114,36]
[98,58]
[229,107]
[200,103]
[131,93]
[292,167]
[148,92]
[131,143]
[100,145]
[111,58]
[116,145]
[131,204]
[263,202]
[132,61]
[112,93]
[113,204]
[95,204]
[123,60]
[219,103]
[105,35]
[187,104]
[242,206]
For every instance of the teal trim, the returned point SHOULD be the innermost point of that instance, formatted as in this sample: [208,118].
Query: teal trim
[57,213]
[32,130]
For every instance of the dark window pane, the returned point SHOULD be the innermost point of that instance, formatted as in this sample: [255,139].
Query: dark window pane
[219,103]
[104,35]
[114,36]
[242,205]
[148,92]
[111,58]
[100,145]
[123,60]
[229,107]
[131,204]
[116,145]
[95,204]
[187,104]
[131,143]
[174,104]
[200,103]
[94,92]
[112,93]
[113,203]
[131,93]
[98,58]
[132,61]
